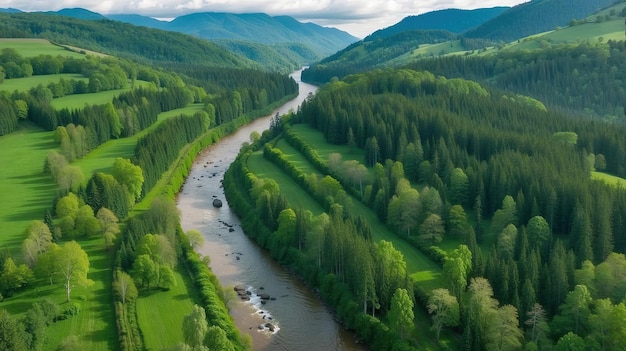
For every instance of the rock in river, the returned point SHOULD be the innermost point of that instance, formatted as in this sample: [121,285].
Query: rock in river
[217,203]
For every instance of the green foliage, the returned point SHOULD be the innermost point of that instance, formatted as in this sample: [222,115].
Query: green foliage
[401,312]
[444,309]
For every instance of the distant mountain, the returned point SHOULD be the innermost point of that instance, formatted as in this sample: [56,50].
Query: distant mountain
[140,20]
[451,20]
[262,28]
[10,10]
[535,17]
[79,13]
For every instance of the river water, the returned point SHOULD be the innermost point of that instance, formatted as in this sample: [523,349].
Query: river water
[300,321]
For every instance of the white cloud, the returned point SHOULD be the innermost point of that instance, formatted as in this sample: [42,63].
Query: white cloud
[358,17]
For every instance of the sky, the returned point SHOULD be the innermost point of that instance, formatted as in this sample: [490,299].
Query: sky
[357,17]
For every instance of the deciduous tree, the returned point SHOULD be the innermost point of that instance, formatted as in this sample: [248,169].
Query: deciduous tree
[444,309]
[401,312]
[73,264]
[195,327]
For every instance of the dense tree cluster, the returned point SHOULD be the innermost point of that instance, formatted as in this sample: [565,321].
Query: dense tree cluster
[480,154]
[584,78]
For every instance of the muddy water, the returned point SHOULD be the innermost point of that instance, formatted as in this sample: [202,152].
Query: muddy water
[298,319]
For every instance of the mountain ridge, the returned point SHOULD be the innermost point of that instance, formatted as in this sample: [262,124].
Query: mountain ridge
[245,34]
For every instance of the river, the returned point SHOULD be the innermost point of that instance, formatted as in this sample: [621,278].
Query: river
[300,321]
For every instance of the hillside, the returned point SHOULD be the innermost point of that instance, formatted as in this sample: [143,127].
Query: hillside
[373,52]
[119,39]
[451,20]
[279,43]
[535,17]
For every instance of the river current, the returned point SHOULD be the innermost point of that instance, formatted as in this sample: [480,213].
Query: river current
[298,319]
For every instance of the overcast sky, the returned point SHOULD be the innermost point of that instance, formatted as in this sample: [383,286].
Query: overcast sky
[358,17]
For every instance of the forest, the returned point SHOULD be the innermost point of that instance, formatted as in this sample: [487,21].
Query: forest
[541,258]
[583,79]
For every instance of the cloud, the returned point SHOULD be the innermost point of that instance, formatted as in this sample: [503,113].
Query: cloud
[359,17]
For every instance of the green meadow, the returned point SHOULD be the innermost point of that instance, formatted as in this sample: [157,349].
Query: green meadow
[160,313]
[608,179]
[25,192]
[24,84]
[77,101]
[36,47]
[101,159]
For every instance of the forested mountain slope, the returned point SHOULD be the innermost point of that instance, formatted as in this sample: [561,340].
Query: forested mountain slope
[584,79]
[535,17]
[451,20]
[279,43]
[373,52]
[120,39]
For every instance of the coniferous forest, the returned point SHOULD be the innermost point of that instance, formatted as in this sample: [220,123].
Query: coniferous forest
[472,201]
[542,244]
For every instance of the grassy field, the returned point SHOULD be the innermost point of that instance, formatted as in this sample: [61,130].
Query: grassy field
[24,84]
[296,196]
[161,313]
[77,101]
[608,179]
[25,192]
[36,47]
[101,159]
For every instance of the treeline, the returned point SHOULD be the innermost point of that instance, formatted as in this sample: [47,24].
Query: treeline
[156,151]
[372,52]
[233,92]
[333,252]
[526,168]
[582,79]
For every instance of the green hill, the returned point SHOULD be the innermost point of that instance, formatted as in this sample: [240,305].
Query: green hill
[119,39]
[535,17]
[452,20]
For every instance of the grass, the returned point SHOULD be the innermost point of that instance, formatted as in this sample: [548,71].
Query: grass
[160,313]
[323,148]
[608,179]
[35,47]
[24,84]
[101,159]
[77,101]
[25,192]
[296,196]
[95,324]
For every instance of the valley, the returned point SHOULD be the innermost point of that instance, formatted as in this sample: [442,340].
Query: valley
[451,181]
